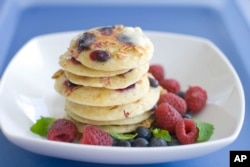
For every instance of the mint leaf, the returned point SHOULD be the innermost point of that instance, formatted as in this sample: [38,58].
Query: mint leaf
[122,136]
[205,131]
[161,133]
[42,125]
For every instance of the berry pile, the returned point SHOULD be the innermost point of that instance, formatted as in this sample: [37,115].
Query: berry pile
[173,120]
[175,108]
[144,137]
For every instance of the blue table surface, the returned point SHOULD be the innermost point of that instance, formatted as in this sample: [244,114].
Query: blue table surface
[225,22]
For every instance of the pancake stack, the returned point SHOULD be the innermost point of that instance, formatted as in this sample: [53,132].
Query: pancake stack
[105,81]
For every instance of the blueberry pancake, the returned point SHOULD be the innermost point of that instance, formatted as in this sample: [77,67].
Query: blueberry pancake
[115,82]
[100,96]
[126,121]
[115,128]
[112,48]
[116,112]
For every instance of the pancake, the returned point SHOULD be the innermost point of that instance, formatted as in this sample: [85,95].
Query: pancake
[100,96]
[113,113]
[126,121]
[112,48]
[68,63]
[114,128]
[114,82]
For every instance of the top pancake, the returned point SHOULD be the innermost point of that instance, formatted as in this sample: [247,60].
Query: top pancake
[112,48]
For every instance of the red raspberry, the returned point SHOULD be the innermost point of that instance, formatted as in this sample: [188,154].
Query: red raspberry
[157,71]
[167,117]
[177,102]
[95,136]
[196,98]
[186,131]
[62,130]
[171,85]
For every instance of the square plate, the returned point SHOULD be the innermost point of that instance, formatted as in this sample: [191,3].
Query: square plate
[27,92]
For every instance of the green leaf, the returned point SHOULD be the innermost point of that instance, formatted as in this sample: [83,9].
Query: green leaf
[205,131]
[122,136]
[161,133]
[42,125]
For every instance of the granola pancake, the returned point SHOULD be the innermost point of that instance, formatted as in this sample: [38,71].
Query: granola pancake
[70,64]
[100,96]
[114,82]
[125,121]
[112,48]
[117,112]
[115,128]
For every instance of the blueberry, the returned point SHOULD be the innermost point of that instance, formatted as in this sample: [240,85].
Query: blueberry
[125,39]
[140,142]
[143,132]
[174,142]
[115,141]
[131,140]
[86,40]
[106,30]
[181,94]
[187,115]
[157,142]
[123,143]
[153,82]
[100,55]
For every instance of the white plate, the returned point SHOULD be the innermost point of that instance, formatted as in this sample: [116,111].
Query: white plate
[27,92]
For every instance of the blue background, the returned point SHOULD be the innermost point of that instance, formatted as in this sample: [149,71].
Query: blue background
[222,21]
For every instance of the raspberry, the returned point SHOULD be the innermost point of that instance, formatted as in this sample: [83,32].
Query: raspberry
[171,85]
[157,71]
[95,136]
[167,117]
[153,82]
[62,130]
[177,102]
[196,98]
[186,131]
